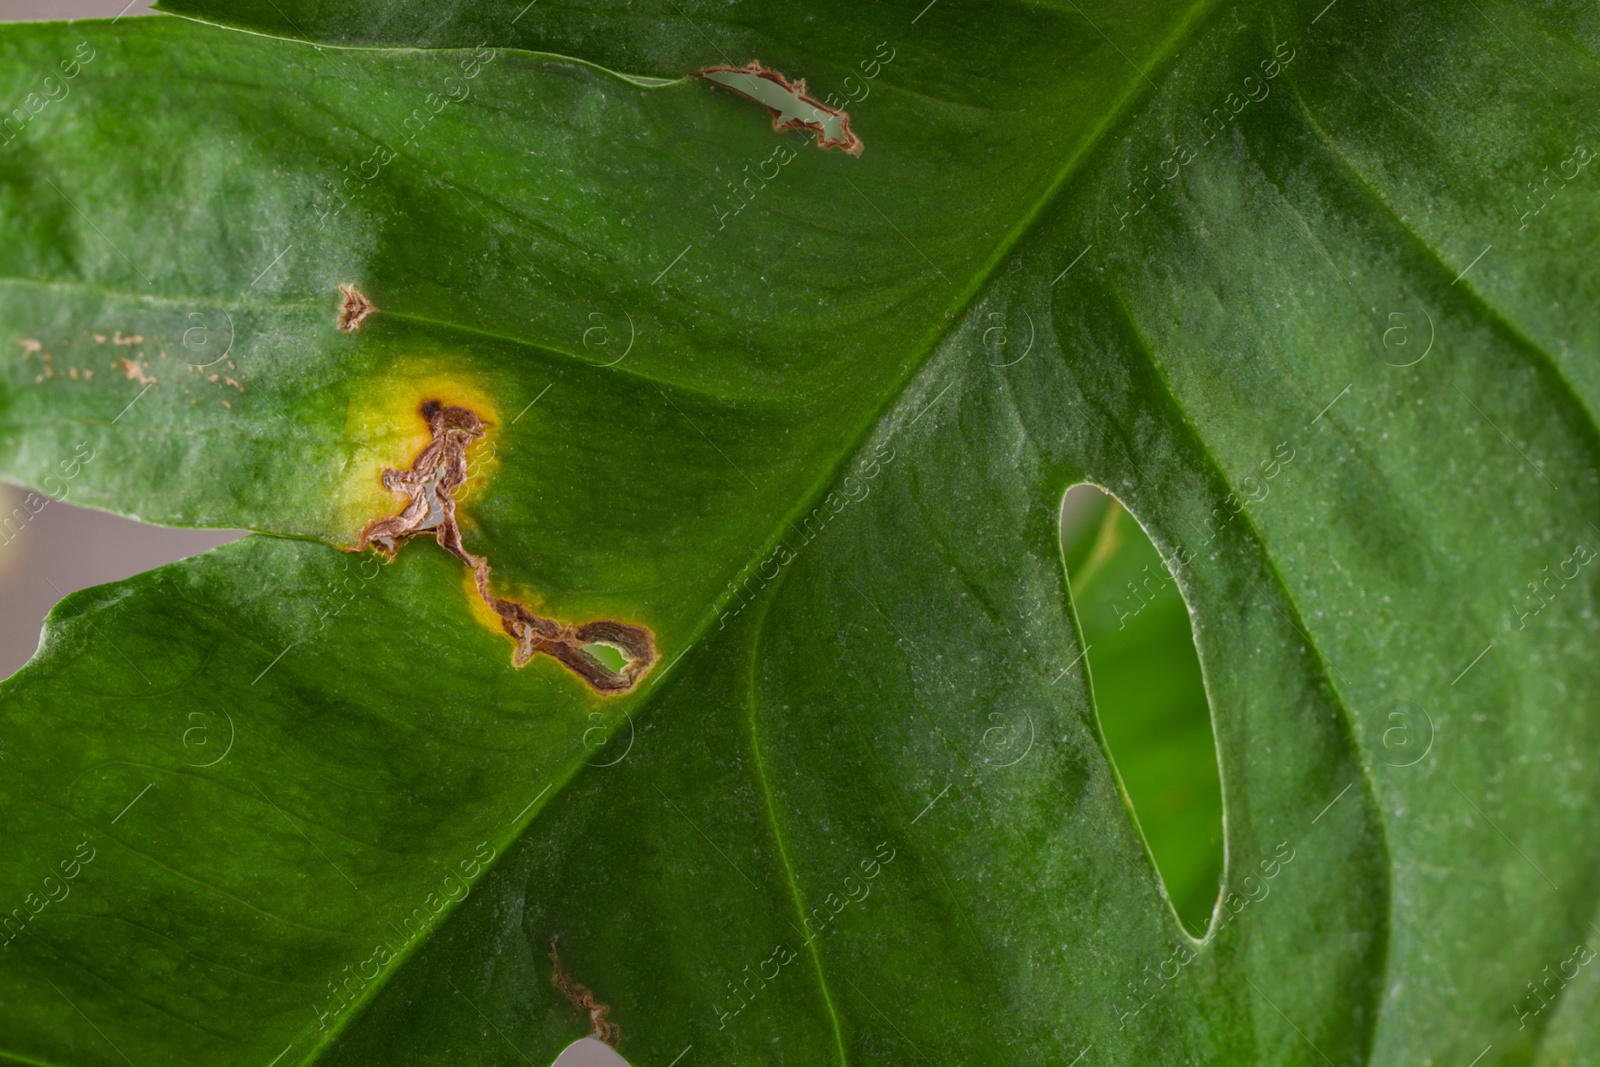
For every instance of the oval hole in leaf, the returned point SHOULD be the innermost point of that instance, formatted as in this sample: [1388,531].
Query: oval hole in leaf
[1149,695]
[587,1052]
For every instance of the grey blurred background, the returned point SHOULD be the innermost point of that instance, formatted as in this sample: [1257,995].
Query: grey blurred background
[64,548]
[34,10]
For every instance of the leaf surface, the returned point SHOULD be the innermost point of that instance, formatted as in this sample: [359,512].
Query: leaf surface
[823,478]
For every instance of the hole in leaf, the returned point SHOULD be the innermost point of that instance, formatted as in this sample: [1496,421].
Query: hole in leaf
[609,655]
[587,1052]
[1149,694]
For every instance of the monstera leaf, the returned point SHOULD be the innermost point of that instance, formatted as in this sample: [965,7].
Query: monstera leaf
[749,443]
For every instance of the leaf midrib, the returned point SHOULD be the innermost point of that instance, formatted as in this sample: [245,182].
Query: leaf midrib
[816,493]
[1122,107]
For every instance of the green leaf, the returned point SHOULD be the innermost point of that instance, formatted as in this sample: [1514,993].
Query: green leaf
[1158,249]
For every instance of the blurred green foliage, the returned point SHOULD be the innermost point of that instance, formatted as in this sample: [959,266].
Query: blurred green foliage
[1149,694]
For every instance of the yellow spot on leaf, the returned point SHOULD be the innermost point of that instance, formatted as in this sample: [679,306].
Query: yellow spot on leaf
[482,613]
[383,428]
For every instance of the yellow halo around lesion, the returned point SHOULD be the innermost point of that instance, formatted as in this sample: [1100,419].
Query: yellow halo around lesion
[384,427]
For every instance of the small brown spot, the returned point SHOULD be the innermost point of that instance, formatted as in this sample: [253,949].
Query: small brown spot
[99,338]
[87,374]
[353,309]
[135,372]
[599,1026]
[74,372]
[118,339]
[29,346]
[431,482]
[233,383]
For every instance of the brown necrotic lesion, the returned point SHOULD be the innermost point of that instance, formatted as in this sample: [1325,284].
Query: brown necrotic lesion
[788,102]
[354,307]
[430,484]
[580,996]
